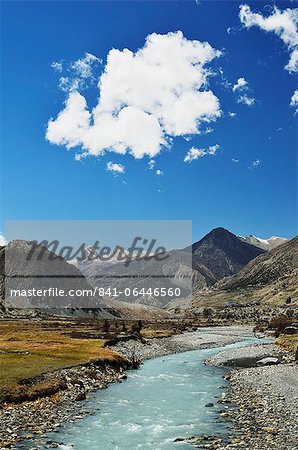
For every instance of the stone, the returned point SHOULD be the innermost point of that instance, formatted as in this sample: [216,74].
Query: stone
[268,361]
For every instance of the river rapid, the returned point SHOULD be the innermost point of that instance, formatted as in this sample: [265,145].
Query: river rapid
[161,401]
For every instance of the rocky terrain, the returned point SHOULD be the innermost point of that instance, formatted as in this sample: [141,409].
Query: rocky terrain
[267,413]
[223,267]
[267,285]
[247,356]
[182,343]
[279,263]
[220,254]
[266,397]
[19,270]
[30,420]
[266,400]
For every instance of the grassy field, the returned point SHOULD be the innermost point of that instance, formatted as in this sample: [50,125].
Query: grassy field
[29,349]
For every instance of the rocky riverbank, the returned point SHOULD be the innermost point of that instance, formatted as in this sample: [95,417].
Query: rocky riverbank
[267,413]
[266,397]
[30,420]
[203,338]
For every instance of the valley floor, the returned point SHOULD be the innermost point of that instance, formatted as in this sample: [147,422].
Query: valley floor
[266,397]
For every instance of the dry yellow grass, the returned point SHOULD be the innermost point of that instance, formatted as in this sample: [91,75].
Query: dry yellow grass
[289,342]
[29,349]
[151,333]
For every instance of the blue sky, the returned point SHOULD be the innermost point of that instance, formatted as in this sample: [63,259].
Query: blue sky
[254,194]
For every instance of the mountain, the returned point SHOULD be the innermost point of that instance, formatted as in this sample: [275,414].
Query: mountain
[137,282]
[270,280]
[278,264]
[21,269]
[220,253]
[265,244]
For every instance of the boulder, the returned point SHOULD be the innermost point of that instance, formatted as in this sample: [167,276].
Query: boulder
[270,361]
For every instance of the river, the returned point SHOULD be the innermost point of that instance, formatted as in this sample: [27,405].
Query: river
[161,401]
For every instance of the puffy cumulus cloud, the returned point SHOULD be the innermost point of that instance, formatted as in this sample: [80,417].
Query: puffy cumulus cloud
[115,167]
[72,122]
[195,153]
[240,84]
[232,114]
[159,172]
[294,101]
[282,23]
[145,99]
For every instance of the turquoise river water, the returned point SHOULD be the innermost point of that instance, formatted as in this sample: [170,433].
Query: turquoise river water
[161,401]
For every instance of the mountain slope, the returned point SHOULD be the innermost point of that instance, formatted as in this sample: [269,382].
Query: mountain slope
[18,271]
[279,263]
[220,254]
[270,279]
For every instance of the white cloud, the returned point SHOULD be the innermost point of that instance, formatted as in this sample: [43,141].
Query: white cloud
[78,73]
[282,23]
[240,84]
[146,98]
[2,240]
[246,100]
[241,89]
[208,130]
[68,84]
[84,66]
[212,150]
[56,65]
[235,160]
[294,101]
[255,164]
[232,114]
[159,172]
[151,164]
[80,156]
[224,81]
[292,65]
[195,153]
[115,167]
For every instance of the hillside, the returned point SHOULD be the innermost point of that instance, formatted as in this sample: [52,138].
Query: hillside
[17,272]
[269,280]
[220,253]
